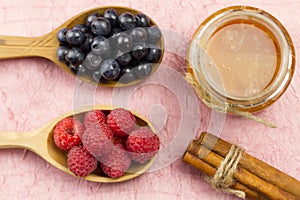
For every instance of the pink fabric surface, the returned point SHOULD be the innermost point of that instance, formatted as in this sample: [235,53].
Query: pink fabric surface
[34,91]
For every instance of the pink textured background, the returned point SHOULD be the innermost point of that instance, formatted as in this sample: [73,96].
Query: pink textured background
[34,91]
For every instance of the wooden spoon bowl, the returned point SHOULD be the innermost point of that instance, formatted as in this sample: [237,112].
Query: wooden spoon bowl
[41,142]
[45,46]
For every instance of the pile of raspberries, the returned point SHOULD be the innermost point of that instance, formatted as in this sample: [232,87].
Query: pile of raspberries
[110,142]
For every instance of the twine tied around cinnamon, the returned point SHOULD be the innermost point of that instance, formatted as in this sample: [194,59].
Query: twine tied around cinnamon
[223,178]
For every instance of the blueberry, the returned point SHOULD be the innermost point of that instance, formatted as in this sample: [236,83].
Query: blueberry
[115,31]
[140,50]
[154,54]
[153,33]
[134,62]
[97,77]
[77,69]
[80,70]
[81,27]
[100,45]
[74,56]
[75,37]
[74,68]
[142,20]
[112,16]
[124,42]
[83,71]
[110,69]
[127,21]
[101,26]
[143,70]
[61,36]
[86,45]
[92,61]
[61,53]
[127,75]
[138,34]
[124,58]
[90,18]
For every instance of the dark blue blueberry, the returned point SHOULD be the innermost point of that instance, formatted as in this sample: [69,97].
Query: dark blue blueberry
[127,75]
[112,16]
[100,45]
[74,69]
[61,36]
[124,58]
[153,33]
[92,61]
[90,18]
[127,21]
[61,53]
[101,26]
[86,45]
[124,42]
[142,20]
[81,27]
[143,70]
[154,54]
[74,56]
[78,69]
[110,69]
[134,62]
[75,37]
[138,34]
[115,30]
[83,71]
[97,77]
[139,51]
[113,38]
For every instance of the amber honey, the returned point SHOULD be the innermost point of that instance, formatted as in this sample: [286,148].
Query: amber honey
[241,57]
[246,59]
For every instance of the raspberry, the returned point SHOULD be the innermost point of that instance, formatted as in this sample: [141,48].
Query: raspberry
[67,133]
[121,141]
[116,163]
[81,162]
[121,122]
[94,118]
[142,144]
[98,140]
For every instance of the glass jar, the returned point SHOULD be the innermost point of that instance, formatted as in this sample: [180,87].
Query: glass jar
[241,59]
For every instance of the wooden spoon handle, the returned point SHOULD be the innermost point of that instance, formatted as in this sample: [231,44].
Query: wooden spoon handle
[18,140]
[34,141]
[17,47]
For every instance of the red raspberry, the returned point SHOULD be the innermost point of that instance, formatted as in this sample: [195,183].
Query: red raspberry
[98,140]
[94,118]
[121,141]
[121,122]
[142,144]
[115,163]
[81,162]
[67,133]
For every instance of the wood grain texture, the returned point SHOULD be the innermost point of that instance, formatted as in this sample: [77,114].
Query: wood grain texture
[253,165]
[34,91]
[42,143]
[46,45]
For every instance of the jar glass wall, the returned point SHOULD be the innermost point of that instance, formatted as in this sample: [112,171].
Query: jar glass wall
[243,57]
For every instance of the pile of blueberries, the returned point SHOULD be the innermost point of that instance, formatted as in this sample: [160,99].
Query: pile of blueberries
[111,47]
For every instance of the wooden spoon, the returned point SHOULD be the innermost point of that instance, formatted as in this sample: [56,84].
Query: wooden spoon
[45,46]
[41,142]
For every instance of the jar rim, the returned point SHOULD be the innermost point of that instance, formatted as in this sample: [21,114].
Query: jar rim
[197,55]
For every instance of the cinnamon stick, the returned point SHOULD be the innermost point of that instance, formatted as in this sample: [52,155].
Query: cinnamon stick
[210,171]
[253,165]
[241,175]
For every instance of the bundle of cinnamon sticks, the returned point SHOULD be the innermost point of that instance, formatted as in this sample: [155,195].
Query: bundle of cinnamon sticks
[252,177]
